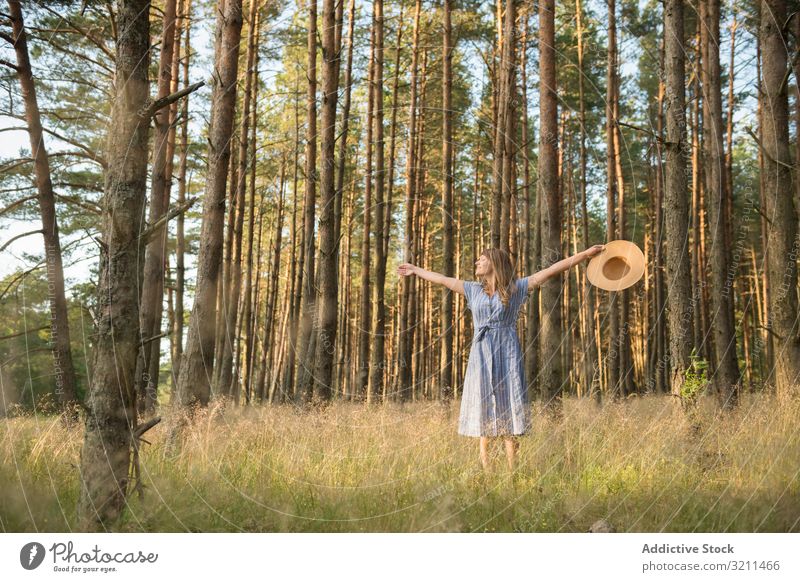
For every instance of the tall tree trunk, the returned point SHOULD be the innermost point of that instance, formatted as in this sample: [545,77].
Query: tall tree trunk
[180,240]
[679,302]
[329,287]
[378,356]
[406,332]
[303,387]
[296,268]
[588,304]
[362,380]
[659,362]
[303,378]
[446,351]
[533,238]
[387,224]
[153,282]
[106,452]
[614,372]
[66,385]
[155,363]
[780,211]
[503,134]
[551,335]
[272,293]
[252,321]
[339,187]
[230,288]
[194,383]
[726,365]
[247,149]
[348,81]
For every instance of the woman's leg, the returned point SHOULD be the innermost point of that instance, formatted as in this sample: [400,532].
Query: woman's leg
[485,452]
[512,446]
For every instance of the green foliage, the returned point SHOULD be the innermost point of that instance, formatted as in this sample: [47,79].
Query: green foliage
[695,380]
[26,362]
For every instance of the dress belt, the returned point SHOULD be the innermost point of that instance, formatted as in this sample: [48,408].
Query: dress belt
[481,331]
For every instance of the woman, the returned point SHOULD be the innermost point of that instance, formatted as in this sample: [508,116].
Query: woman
[495,398]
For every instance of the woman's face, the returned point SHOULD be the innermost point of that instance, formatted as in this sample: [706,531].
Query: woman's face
[483,267]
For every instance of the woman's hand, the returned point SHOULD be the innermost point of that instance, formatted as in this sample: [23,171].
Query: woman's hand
[593,250]
[407,269]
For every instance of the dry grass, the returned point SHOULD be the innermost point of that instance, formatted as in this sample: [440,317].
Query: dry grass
[350,468]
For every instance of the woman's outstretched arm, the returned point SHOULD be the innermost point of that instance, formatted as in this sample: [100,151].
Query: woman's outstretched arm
[451,283]
[540,277]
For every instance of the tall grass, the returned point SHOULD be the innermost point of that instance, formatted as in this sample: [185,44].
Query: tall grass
[638,464]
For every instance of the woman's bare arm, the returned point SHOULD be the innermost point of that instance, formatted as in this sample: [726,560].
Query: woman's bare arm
[540,277]
[451,283]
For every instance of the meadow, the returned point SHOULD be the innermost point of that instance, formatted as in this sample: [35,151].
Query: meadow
[640,464]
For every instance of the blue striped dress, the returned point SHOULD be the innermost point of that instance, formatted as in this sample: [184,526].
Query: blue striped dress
[495,397]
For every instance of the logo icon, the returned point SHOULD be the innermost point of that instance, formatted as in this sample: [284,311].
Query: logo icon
[31,555]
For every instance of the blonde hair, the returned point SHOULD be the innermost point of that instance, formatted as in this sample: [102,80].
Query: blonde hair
[502,271]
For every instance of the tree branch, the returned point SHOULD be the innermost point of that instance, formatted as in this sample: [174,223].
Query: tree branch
[19,236]
[148,232]
[143,428]
[89,152]
[97,42]
[158,104]
[26,332]
[764,150]
[93,208]
[19,276]
[16,203]
[9,65]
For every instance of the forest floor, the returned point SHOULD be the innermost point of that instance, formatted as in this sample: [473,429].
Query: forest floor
[638,464]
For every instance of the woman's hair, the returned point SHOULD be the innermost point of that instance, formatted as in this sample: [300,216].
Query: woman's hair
[503,273]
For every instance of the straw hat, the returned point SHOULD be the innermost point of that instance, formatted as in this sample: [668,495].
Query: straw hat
[618,266]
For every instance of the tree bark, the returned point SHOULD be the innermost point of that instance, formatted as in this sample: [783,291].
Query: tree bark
[589,303]
[329,287]
[362,381]
[725,365]
[247,149]
[613,366]
[106,453]
[194,384]
[303,378]
[66,384]
[406,331]
[679,304]
[378,356]
[180,242]
[782,243]
[153,281]
[446,351]
[551,334]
